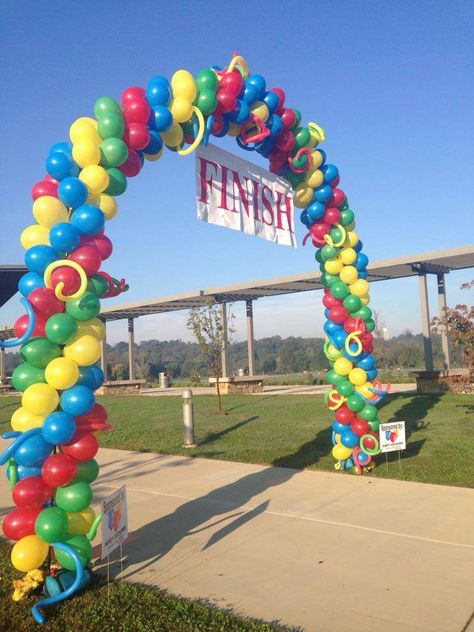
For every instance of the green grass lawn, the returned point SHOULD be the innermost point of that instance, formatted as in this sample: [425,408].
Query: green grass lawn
[293,431]
[122,608]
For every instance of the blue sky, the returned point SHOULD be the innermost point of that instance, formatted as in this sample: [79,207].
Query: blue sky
[391,83]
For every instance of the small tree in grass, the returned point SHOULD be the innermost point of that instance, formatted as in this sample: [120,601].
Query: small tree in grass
[208,327]
[458,322]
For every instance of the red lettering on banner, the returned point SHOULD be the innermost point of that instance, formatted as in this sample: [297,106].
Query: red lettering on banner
[223,203]
[286,212]
[268,205]
[202,176]
[242,194]
[255,200]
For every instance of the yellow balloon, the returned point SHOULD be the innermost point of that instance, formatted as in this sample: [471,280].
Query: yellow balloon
[349,274]
[352,239]
[317,159]
[183,85]
[340,452]
[181,109]
[359,288]
[84,351]
[84,128]
[61,373]
[79,523]
[22,420]
[358,377]
[350,226]
[365,299]
[342,366]
[261,110]
[303,195]
[314,177]
[93,327]
[154,157]
[34,235]
[333,352]
[174,136]
[107,204]
[95,178]
[29,553]
[364,390]
[348,256]
[48,211]
[333,266]
[86,152]
[40,399]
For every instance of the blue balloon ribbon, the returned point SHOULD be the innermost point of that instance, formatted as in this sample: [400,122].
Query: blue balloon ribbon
[69,592]
[16,342]
[19,440]
[207,133]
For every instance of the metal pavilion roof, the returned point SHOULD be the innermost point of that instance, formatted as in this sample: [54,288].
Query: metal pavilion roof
[9,277]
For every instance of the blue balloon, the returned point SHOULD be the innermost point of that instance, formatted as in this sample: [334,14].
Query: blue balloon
[29,282]
[271,100]
[339,338]
[372,374]
[331,328]
[361,261]
[330,172]
[224,130]
[60,166]
[158,91]
[358,247]
[349,438]
[90,376]
[72,192]
[38,258]
[77,400]
[241,113]
[363,274]
[338,427]
[275,124]
[26,472]
[304,219]
[250,94]
[155,145]
[33,451]
[64,237]
[315,211]
[366,362]
[163,118]
[62,148]
[58,427]
[323,193]
[258,82]
[88,219]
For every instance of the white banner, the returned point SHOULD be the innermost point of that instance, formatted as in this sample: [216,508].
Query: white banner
[234,193]
[392,436]
[114,521]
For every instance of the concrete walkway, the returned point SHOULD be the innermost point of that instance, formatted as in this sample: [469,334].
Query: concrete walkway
[296,389]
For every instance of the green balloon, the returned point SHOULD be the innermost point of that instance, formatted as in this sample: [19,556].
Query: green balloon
[374,425]
[370,325]
[302,137]
[297,119]
[363,312]
[206,79]
[74,497]
[113,152]
[85,307]
[352,303]
[117,182]
[111,125]
[328,279]
[369,412]
[347,217]
[39,352]
[87,471]
[207,101]
[344,206]
[329,252]
[339,290]
[97,285]
[61,328]
[83,548]
[294,179]
[345,388]
[355,403]
[51,524]
[336,235]
[106,106]
[334,378]
[25,375]
[318,256]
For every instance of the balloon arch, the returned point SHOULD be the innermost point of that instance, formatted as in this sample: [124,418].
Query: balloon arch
[50,462]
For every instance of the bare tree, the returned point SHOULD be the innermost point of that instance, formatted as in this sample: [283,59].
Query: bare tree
[211,333]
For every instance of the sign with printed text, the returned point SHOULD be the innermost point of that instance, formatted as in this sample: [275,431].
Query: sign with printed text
[114,521]
[392,436]
[234,193]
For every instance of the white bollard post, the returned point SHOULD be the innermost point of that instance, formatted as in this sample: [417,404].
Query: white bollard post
[188,419]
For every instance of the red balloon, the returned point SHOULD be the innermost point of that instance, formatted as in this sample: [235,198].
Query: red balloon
[31,492]
[318,231]
[21,325]
[82,447]
[354,324]
[288,118]
[101,242]
[20,522]
[360,427]
[332,215]
[44,187]
[330,301]
[345,415]
[226,100]
[281,99]
[68,276]
[136,111]
[88,258]
[133,165]
[333,184]
[136,136]
[367,342]
[338,197]
[58,470]
[49,178]
[133,94]
[218,124]
[369,442]
[96,414]
[285,140]
[232,81]
[44,299]
[338,314]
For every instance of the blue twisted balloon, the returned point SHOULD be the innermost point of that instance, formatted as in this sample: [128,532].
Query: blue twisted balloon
[16,342]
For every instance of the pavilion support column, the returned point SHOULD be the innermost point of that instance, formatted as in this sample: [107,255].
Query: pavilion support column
[250,338]
[3,368]
[131,348]
[442,310]
[425,321]
[224,355]
[103,354]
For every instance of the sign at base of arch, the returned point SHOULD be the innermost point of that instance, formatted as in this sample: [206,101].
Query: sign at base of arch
[51,460]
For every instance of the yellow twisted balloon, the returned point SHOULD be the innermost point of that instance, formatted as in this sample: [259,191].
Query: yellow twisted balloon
[200,134]
[328,239]
[60,286]
[353,336]
[242,62]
